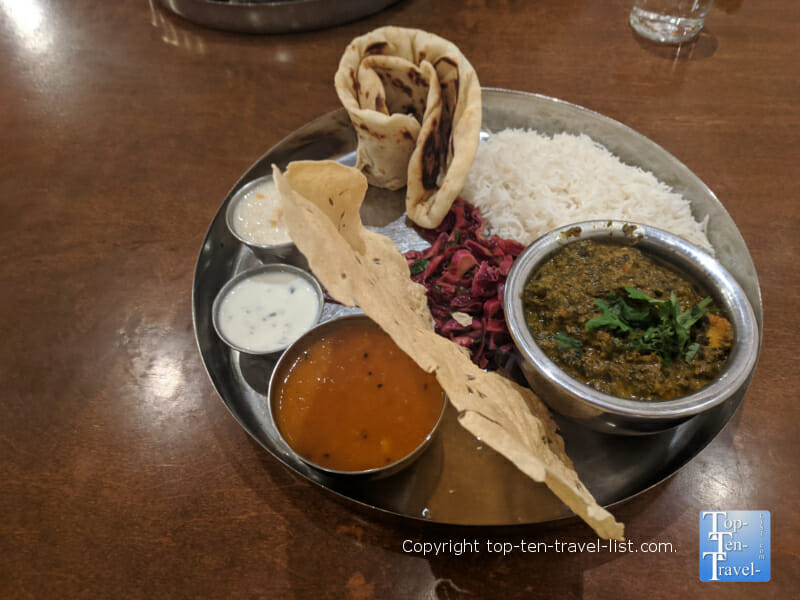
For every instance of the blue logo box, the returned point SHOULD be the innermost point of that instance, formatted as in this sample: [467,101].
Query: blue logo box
[734,545]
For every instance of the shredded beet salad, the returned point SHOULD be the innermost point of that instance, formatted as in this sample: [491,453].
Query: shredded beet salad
[464,274]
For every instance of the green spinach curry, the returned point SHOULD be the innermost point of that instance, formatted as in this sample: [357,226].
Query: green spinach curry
[617,320]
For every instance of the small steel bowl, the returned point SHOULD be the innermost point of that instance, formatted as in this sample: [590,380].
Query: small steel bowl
[289,356]
[604,412]
[285,252]
[270,268]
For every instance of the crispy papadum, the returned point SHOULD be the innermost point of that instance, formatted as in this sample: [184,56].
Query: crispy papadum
[321,202]
[415,102]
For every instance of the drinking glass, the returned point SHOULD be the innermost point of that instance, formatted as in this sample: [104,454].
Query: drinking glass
[670,21]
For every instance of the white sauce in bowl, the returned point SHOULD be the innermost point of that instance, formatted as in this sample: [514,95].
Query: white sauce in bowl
[258,216]
[267,311]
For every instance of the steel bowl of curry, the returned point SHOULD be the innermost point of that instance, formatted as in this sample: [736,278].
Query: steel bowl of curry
[628,329]
[347,401]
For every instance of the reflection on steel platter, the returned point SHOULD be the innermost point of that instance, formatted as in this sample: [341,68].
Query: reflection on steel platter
[458,480]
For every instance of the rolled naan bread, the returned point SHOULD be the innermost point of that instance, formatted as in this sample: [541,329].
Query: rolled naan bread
[415,102]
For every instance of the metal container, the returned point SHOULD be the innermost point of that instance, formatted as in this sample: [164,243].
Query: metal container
[287,358]
[270,268]
[604,412]
[274,16]
[285,252]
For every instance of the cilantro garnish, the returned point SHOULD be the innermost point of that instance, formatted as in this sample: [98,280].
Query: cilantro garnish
[419,266]
[649,325]
[565,341]
[455,241]
[691,351]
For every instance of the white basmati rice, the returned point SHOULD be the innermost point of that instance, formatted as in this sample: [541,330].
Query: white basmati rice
[526,184]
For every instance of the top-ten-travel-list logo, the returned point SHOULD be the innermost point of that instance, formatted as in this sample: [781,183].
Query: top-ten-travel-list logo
[734,545]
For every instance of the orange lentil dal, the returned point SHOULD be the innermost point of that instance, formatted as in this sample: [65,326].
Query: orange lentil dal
[351,400]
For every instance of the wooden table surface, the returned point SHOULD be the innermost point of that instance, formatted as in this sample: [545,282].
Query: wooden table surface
[123,475]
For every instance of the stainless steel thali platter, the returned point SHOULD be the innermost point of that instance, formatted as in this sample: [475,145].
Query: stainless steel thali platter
[458,480]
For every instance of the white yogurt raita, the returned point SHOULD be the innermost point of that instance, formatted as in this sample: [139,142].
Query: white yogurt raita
[258,216]
[268,311]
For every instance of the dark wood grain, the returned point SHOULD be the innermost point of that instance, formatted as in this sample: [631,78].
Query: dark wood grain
[122,475]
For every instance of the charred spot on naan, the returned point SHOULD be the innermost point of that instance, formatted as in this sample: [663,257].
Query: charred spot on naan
[447,71]
[416,77]
[354,80]
[376,48]
[400,84]
[431,159]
